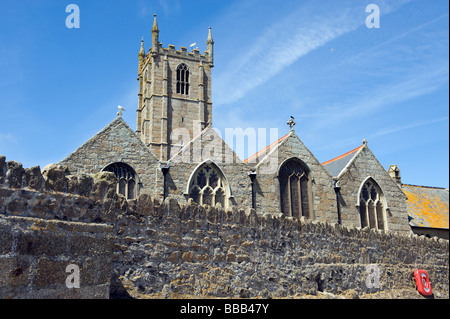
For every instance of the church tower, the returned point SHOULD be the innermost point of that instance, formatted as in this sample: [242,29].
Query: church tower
[174,95]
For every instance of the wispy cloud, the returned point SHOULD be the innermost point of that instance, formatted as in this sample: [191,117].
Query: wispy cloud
[421,81]
[392,130]
[282,43]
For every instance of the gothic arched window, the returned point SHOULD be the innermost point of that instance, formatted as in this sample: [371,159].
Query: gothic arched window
[183,79]
[295,189]
[371,206]
[126,179]
[208,186]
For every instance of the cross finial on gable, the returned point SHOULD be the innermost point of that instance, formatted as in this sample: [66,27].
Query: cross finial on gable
[291,124]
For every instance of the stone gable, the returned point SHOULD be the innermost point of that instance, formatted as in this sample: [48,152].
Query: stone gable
[365,165]
[115,143]
[268,194]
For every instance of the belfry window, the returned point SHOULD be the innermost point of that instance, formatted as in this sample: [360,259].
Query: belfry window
[126,179]
[371,206]
[183,79]
[295,189]
[208,186]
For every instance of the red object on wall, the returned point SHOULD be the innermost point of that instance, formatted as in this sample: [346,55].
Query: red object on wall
[423,282]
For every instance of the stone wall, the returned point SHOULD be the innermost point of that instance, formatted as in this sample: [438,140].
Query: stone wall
[168,250]
[49,221]
[34,255]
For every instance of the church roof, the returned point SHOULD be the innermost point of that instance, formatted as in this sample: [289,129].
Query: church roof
[265,150]
[427,206]
[337,164]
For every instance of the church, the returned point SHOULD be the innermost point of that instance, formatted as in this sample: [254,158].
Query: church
[174,152]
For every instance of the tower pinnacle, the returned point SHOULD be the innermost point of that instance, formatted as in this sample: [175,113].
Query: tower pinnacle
[155,37]
[210,48]
[155,24]
[142,51]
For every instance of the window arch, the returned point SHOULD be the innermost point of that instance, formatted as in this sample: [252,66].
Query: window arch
[182,79]
[126,179]
[372,208]
[295,189]
[208,186]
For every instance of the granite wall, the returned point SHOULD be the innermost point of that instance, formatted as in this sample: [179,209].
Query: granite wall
[148,248]
[167,250]
[50,221]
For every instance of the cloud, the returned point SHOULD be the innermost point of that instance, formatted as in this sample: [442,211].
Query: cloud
[284,42]
[389,131]
[419,82]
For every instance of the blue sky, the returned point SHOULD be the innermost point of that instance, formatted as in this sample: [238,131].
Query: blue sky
[315,60]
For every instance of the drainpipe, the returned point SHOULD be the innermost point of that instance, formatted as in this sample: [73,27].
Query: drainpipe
[337,190]
[164,166]
[252,175]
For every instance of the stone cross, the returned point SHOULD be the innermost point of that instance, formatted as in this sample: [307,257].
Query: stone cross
[291,123]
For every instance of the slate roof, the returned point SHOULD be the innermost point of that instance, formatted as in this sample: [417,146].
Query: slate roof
[337,164]
[427,206]
[265,150]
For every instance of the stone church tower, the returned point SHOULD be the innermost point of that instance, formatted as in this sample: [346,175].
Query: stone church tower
[174,95]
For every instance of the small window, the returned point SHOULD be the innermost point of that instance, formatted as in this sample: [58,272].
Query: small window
[182,79]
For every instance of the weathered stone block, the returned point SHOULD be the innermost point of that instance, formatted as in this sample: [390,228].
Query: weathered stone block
[14,173]
[187,256]
[55,177]
[32,178]
[85,183]
[41,242]
[50,273]
[72,184]
[14,271]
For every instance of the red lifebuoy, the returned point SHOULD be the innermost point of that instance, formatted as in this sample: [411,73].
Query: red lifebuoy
[423,282]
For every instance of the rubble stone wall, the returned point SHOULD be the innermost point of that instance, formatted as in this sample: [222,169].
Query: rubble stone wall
[169,250]
[49,221]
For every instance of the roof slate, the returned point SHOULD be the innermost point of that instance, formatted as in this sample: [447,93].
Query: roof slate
[427,206]
[337,164]
[265,150]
